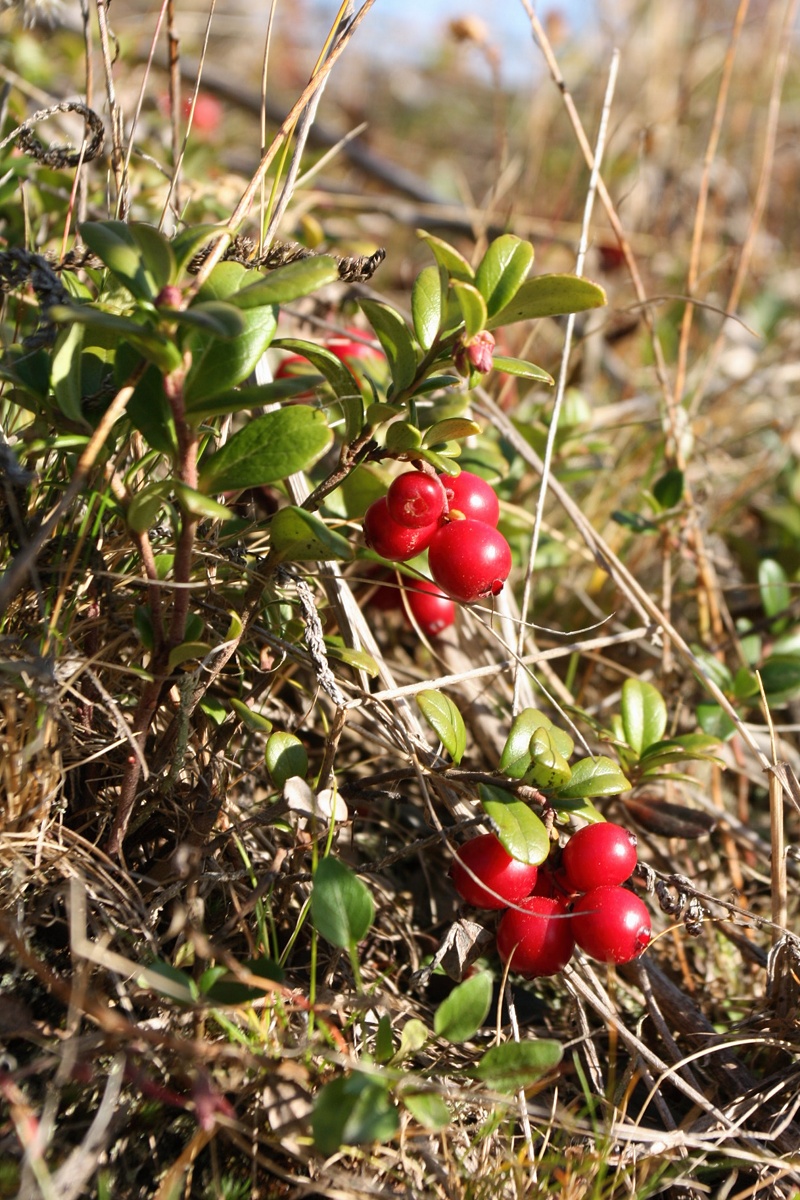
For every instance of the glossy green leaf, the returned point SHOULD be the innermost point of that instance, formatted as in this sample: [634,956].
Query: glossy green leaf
[446,721]
[285,756]
[644,714]
[714,669]
[395,338]
[473,307]
[342,908]
[327,363]
[187,652]
[427,1108]
[426,306]
[220,364]
[439,461]
[288,283]
[224,281]
[352,1111]
[148,408]
[780,675]
[451,429]
[745,682]
[592,777]
[715,721]
[503,270]
[66,373]
[242,398]
[520,368]
[460,1016]
[521,832]
[448,257]
[156,251]
[402,435]
[253,720]
[214,317]
[518,753]
[515,1065]
[199,505]
[549,769]
[549,296]
[114,243]
[268,448]
[143,510]
[298,536]
[668,488]
[776,595]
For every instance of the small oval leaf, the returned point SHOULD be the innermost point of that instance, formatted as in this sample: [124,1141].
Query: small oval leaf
[426,306]
[520,368]
[473,307]
[285,756]
[289,282]
[503,270]
[549,296]
[446,721]
[644,714]
[299,536]
[267,449]
[591,777]
[395,337]
[515,1065]
[520,831]
[342,908]
[460,1016]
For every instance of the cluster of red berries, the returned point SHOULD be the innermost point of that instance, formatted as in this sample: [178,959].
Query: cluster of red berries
[454,518]
[582,901]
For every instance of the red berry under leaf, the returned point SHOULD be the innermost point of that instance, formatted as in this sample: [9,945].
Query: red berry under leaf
[430,608]
[395,542]
[469,559]
[599,855]
[538,940]
[611,924]
[415,499]
[495,868]
[472,496]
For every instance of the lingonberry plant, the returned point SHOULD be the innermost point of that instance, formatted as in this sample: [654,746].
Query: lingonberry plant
[469,560]
[485,875]
[611,924]
[536,937]
[599,854]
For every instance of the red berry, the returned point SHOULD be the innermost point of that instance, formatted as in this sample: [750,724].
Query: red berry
[553,883]
[469,559]
[611,924]
[599,855]
[471,495]
[494,867]
[537,941]
[430,608]
[396,542]
[415,499]
[208,112]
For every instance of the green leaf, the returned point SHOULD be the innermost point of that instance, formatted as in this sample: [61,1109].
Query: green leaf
[668,488]
[221,986]
[148,408]
[342,908]
[267,449]
[66,374]
[201,506]
[171,981]
[156,251]
[298,536]
[187,243]
[518,752]
[240,399]
[549,296]
[446,721]
[780,675]
[473,307]
[338,376]
[515,1065]
[520,831]
[398,345]
[549,769]
[145,506]
[775,593]
[218,365]
[384,1044]
[520,368]
[502,271]
[460,1016]
[115,243]
[715,721]
[251,719]
[426,306]
[713,669]
[215,317]
[644,714]
[352,1111]
[591,777]
[413,1038]
[402,435]
[427,1108]
[448,257]
[187,652]
[288,283]
[451,429]
[285,756]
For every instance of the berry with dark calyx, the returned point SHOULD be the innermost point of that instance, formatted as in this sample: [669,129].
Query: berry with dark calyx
[415,499]
[599,855]
[430,608]
[472,496]
[485,857]
[611,924]
[397,543]
[537,940]
[469,559]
